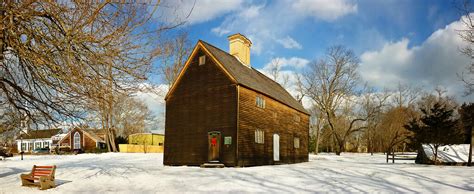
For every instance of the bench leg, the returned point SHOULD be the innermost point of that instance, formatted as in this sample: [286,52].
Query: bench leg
[46,183]
[25,181]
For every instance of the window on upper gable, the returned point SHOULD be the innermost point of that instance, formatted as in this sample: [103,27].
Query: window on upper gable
[202,60]
[297,118]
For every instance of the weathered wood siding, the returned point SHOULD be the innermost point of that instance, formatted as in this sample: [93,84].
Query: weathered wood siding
[283,123]
[204,100]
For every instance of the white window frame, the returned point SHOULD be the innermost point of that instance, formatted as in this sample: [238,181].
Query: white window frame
[77,145]
[259,136]
[260,101]
[24,146]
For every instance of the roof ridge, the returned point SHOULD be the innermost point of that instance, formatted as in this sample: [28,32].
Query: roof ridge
[239,61]
[278,92]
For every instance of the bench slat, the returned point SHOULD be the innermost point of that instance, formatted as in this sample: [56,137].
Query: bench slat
[44,166]
[40,174]
[42,170]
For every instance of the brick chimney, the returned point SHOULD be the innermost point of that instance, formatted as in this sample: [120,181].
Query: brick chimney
[239,46]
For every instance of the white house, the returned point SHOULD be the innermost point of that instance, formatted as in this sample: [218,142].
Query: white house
[34,139]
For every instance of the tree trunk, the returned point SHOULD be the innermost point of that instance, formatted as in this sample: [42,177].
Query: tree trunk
[436,154]
[331,143]
[340,148]
[317,140]
[2,32]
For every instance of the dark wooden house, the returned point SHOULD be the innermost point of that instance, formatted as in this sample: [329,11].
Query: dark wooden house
[220,109]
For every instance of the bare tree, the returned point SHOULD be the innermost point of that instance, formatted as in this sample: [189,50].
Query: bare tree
[372,108]
[300,89]
[405,95]
[331,82]
[276,74]
[467,35]
[316,126]
[175,53]
[130,115]
[392,129]
[58,57]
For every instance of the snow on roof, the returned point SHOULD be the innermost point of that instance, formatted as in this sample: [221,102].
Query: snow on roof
[448,154]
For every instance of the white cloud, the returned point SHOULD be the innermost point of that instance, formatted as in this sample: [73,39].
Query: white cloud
[289,43]
[153,97]
[251,12]
[435,62]
[282,62]
[193,12]
[328,10]
[269,25]
[288,69]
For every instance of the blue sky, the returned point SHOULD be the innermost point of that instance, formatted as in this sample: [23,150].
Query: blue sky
[413,42]
[372,24]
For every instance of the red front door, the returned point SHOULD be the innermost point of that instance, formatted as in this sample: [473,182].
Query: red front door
[214,140]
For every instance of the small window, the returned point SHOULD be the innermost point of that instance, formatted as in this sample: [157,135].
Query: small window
[297,118]
[296,142]
[260,102]
[202,60]
[23,146]
[259,136]
[275,115]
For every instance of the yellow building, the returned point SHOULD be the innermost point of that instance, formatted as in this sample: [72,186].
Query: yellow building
[144,143]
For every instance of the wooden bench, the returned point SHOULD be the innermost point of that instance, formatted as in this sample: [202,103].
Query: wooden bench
[40,176]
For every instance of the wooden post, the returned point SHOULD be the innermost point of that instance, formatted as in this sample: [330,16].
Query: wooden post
[469,157]
[387,155]
[393,156]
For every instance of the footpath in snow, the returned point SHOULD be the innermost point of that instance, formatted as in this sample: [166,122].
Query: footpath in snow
[145,173]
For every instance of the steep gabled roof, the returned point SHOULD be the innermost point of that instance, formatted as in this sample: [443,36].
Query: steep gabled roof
[252,78]
[94,134]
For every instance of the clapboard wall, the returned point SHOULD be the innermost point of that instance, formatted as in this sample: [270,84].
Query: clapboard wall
[275,118]
[204,100]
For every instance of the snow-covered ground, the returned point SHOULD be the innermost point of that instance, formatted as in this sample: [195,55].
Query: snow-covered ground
[145,173]
[449,153]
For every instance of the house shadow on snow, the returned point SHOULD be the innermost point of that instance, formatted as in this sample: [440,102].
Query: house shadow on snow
[13,171]
[60,182]
[367,178]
